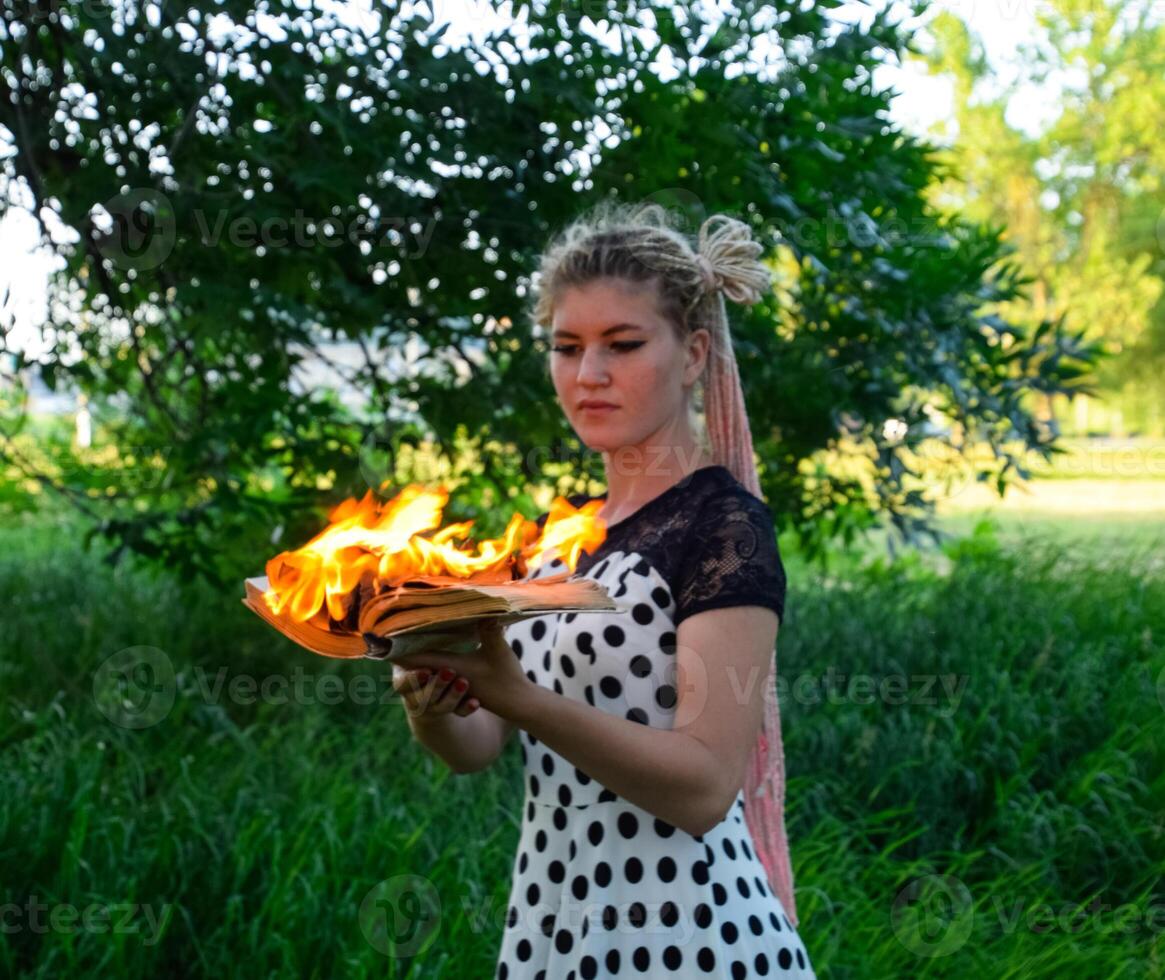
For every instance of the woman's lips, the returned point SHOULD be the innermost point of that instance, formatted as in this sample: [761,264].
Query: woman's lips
[598,409]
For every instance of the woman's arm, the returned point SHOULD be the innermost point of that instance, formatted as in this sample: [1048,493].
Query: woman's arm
[667,773]
[465,744]
[688,775]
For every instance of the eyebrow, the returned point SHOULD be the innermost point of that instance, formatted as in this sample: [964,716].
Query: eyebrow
[609,330]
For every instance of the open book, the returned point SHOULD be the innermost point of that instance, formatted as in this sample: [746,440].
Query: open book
[397,621]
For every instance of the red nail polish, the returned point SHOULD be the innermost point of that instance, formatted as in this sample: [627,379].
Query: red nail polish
[460,686]
[446,674]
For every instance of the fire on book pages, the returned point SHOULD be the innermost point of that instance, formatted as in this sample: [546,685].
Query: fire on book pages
[369,546]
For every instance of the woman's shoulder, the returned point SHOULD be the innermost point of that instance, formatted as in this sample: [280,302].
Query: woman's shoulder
[727,495]
[731,556]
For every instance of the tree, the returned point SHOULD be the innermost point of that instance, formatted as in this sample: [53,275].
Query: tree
[1081,197]
[187,150]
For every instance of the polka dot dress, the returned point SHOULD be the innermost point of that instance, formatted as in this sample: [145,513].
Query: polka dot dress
[601,887]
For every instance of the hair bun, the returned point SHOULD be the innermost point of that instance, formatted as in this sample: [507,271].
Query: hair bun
[728,257]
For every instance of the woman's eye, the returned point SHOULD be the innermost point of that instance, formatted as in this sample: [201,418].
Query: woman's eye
[622,345]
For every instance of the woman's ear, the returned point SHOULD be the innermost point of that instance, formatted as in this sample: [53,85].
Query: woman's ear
[697,345]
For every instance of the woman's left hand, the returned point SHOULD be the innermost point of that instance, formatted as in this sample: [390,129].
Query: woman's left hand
[495,674]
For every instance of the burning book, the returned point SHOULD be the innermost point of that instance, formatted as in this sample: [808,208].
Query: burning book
[381,579]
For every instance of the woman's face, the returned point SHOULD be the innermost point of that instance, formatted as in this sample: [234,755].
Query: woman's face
[610,344]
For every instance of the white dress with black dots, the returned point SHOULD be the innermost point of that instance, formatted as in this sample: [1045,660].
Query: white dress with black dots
[601,887]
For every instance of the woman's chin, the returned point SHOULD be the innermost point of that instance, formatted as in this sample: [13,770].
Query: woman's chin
[598,443]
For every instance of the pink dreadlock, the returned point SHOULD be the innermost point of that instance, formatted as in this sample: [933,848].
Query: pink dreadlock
[637,243]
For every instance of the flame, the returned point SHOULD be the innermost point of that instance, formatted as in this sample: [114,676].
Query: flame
[391,543]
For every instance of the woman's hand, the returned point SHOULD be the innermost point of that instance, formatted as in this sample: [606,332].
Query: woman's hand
[429,694]
[493,672]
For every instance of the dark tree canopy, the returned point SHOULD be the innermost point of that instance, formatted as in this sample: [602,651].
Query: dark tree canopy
[242,199]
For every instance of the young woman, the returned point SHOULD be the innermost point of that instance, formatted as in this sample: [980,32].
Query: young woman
[653,834]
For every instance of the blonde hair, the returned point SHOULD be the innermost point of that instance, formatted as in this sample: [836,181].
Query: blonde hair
[639,243]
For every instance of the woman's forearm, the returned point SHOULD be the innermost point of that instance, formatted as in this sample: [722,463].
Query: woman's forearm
[465,744]
[669,774]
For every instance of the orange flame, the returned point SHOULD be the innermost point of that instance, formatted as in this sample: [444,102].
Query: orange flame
[389,544]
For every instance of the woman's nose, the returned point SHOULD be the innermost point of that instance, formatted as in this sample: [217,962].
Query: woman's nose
[592,369]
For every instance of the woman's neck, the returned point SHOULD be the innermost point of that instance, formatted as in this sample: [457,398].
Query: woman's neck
[635,478]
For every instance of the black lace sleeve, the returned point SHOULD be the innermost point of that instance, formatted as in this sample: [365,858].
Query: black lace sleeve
[731,557]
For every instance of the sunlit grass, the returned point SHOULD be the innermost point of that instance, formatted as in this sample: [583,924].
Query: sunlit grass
[1013,741]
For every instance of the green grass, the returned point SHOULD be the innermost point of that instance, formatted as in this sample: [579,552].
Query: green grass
[254,831]
[1099,539]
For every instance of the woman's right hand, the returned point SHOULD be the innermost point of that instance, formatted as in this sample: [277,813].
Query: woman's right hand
[426,694]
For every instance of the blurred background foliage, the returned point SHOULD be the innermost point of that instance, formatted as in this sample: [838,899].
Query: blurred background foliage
[238,190]
[1083,196]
